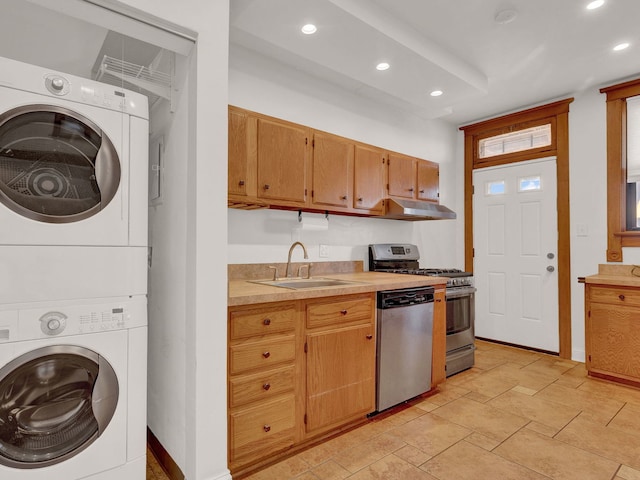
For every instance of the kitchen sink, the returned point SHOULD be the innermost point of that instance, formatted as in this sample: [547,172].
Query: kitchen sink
[298,283]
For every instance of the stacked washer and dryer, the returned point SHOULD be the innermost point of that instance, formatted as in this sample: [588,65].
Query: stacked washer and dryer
[73,277]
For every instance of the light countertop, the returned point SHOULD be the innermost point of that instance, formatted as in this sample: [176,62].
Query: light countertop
[245,292]
[621,275]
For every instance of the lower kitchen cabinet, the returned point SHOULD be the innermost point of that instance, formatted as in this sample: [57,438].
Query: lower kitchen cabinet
[340,352]
[612,332]
[300,371]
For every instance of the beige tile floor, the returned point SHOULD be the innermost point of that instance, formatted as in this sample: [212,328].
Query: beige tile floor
[516,415]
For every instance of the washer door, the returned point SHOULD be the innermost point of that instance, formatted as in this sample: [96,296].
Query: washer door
[56,166]
[54,402]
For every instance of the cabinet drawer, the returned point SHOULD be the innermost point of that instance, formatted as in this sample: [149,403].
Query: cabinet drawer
[262,429]
[261,386]
[261,354]
[615,295]
[262,321]
[342,311]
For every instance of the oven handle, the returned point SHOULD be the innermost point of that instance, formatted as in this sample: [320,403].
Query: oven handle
[459,292]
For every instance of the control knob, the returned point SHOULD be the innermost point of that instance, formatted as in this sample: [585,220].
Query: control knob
[53,323]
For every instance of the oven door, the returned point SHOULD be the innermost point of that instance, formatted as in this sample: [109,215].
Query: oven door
[460,317]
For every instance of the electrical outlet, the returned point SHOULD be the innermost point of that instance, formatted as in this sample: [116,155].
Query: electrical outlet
[324,251]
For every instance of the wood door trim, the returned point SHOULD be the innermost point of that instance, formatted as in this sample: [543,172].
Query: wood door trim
[560,132]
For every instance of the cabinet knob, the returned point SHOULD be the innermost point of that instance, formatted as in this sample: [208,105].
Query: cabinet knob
[421,191]
[266,428]
[344,197]
[343,312]
[621,297]
[266,386]
[411,189]
[241,183]
[266,354]
[266,187]
[369,337]
[360,199]
[266,321]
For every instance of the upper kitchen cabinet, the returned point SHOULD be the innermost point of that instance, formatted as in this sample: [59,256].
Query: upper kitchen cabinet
[331,172]
[368,180]
[402,175]
[282,162]
[412,178]
[428,181]
[242,154]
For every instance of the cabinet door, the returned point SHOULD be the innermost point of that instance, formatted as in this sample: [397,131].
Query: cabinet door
[340,375]
[332,171]
[242,175]
[402,176]
[368,179]
[282,161]
[439,352]
[428,181]
[613,340]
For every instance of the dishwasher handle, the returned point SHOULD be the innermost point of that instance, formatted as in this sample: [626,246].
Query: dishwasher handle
[405,297]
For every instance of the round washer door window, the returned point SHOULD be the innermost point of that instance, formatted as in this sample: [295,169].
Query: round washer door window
[54,402]
[56,166]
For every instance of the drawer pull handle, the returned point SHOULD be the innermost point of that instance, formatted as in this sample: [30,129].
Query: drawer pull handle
[266,354]
[369,337]
[266,428]
[343,312]
[267,321]
[621,297]
[266,386]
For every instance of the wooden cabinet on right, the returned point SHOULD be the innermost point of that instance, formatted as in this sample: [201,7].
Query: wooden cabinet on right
[413,178]
[612,332]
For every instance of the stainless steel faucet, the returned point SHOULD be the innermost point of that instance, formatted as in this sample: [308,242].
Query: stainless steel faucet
[304,249]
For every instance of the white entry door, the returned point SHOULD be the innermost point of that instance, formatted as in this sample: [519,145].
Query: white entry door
[515,264]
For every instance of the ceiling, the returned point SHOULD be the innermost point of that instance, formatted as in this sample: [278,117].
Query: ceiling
[549,50]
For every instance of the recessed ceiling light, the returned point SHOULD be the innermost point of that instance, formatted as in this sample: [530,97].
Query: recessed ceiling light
[595,4]
[309,29]
[621,46]
[383,66]
[505,16]
[436,93]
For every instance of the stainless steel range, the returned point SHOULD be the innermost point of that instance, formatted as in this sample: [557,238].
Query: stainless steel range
[460,294]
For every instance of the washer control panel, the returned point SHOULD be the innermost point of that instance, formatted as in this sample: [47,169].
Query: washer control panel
[63,319]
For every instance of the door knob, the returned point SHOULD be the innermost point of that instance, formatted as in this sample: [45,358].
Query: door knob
[550,268]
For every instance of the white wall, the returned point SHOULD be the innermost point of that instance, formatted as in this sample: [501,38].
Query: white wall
[194,391]
[265,236]
[168,274]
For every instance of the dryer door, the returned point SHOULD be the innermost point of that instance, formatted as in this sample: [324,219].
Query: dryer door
[55,401]
[56,166]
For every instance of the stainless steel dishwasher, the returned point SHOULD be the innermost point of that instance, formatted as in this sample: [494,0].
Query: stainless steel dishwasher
[405,343]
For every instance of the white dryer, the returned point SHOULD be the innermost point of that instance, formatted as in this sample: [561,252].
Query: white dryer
[73,160]
[73,390]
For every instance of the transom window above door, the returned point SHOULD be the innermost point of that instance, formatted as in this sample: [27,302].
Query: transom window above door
[516,141]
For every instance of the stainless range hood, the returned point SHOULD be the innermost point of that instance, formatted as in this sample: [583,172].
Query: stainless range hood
[404,209]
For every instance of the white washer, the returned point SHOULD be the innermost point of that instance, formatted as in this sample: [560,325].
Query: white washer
[73,160]
[73,389]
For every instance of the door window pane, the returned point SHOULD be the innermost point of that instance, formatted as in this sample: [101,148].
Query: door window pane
[529,184]
[495,188]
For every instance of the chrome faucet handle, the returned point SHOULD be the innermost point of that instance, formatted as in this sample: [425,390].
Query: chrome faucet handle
[275,272]
[308,267]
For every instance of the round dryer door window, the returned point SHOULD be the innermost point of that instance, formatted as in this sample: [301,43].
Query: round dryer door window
[56,166]
[54,402]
